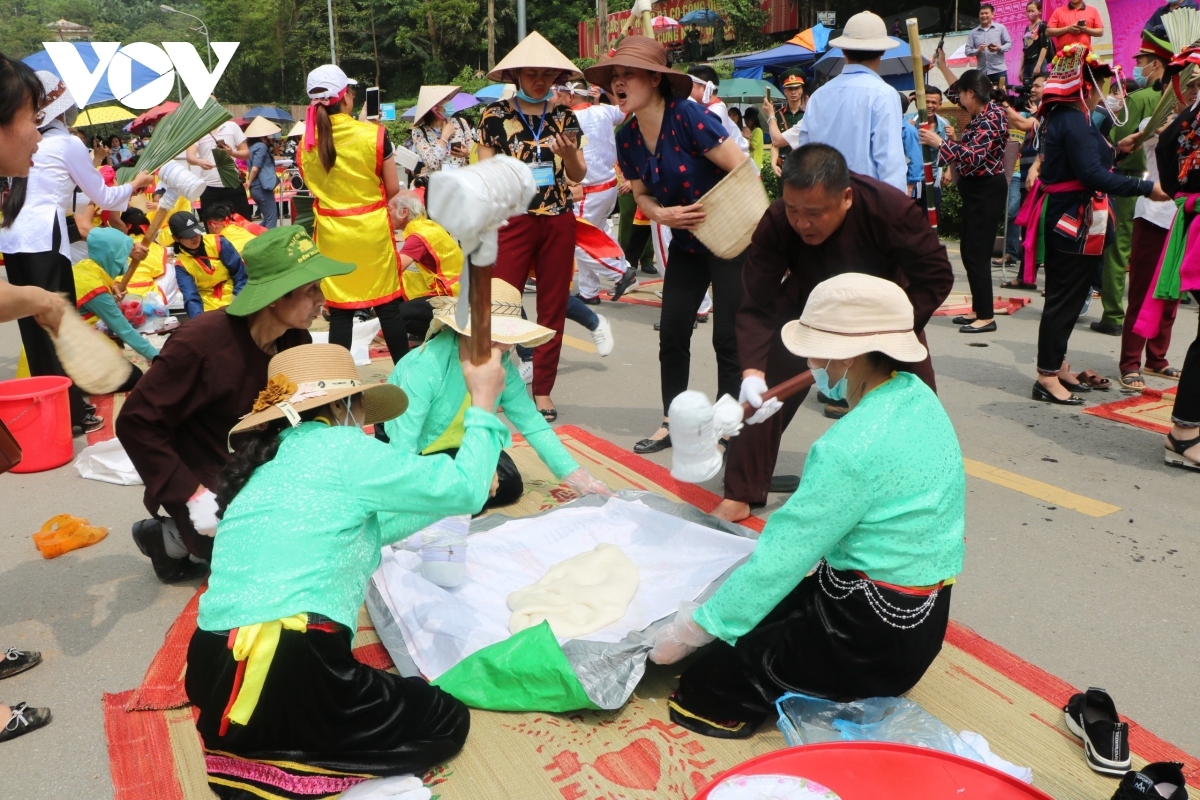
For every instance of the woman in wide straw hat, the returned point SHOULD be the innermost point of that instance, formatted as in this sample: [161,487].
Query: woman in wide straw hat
[672,152]
[533,128]
[878,520]
[307,502]
[440,138]
[433,381]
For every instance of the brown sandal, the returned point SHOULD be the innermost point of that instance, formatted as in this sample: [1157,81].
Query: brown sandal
[1093,381]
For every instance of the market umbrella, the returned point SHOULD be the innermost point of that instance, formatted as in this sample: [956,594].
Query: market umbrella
[153,115]
[497,91]
[102,115]
[701,17]
[897,61]
[661,23]
[269,112]
[745,89]
[455,104]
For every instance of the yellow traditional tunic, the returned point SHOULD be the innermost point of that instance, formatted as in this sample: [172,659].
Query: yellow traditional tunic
[145,278]
[351,222]
[237,236]
[210,274]
[419,280]
[90,281]
[164,233]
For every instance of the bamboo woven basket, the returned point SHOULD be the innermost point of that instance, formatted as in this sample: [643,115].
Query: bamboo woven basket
[732,210]
[88,357]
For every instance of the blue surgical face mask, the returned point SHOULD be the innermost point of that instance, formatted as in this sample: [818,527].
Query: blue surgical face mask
[1138,77]
[837,392]
[549,94]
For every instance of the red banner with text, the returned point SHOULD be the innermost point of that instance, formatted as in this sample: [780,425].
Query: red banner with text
[782,16]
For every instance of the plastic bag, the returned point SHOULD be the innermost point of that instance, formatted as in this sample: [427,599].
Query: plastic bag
[107,461]
[808,720]
[153,305]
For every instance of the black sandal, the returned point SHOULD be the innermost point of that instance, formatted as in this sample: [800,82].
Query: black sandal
[1046,396]
[1174,455]
[23,719]
[648,445]
[548,414]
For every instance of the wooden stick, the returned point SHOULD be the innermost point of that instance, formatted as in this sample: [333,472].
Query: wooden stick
[160,216]
[918,67]
[782,391]
[480,298]
[648,23]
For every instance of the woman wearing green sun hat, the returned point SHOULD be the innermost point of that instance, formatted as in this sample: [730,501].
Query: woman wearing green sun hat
[173,423]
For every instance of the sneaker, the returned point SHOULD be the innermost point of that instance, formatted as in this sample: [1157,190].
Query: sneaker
[22,719]
[1092,716]
[588,301]
[602,336]
[1158,780]
[148,536]
[525,368]
[15,661]
[627,283]
[92,423]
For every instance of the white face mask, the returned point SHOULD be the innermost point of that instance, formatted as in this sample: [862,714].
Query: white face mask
[1113,103]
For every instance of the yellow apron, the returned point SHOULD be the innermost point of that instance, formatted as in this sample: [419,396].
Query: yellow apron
[237,236]
[90,281]
[209,272]
[419,280]
[351,222]
[145,279]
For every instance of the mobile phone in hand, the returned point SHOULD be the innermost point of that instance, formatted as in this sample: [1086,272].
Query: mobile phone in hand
[373,102]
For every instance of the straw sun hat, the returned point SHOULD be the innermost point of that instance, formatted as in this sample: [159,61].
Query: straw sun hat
[535,52]
[431,96]
[852,314]
[639,52]
[508,326]
[313,375]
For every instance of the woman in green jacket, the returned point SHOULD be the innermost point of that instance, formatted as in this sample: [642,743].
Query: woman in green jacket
[307,502]
[847,593]
[433,382]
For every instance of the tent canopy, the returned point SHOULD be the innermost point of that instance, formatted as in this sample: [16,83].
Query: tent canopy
[815,38]
[897,61]
[799,51]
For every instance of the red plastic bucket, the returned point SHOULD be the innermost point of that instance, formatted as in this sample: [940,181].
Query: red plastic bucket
[38,413]
[879,770]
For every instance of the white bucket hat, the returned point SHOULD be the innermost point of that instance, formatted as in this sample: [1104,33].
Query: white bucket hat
[852,314]
[58,96]
[865,31]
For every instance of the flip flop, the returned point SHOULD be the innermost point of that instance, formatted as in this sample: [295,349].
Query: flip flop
[1093,381]
[1170,373]
[1127,379]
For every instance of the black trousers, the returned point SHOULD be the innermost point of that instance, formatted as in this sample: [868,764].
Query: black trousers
[1069,278]
[635,248]
[236,197]
[984,200]
[417,316]
[1187,401]
[50,271]
[319,706]
[687,279]
[810,643]
[391,324]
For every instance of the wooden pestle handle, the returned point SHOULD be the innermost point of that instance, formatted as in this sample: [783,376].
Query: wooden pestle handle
[160,216]
[480,298]
[783,391]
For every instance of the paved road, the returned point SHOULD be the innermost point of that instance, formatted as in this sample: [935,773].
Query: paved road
[1097,600]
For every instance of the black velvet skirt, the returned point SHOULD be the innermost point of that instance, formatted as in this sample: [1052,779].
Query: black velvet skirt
[319,706]
[811,643]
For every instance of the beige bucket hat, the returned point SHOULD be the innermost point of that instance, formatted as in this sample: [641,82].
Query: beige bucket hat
[312,375]
[865,31]
[261,126]
[535,51]
[429,97]
[851,314]
[508,326]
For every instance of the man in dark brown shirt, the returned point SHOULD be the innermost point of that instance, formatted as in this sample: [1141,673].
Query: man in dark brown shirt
[175,422]
[829,221]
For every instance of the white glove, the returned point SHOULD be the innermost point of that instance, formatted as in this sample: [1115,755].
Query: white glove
[680,638]
[202,508]
[753,389]
[402,787]
[582,482]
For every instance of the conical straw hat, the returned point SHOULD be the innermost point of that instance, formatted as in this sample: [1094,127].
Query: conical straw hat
[88,357]
[297,129]
[261,126]
[534,51]
[431,96]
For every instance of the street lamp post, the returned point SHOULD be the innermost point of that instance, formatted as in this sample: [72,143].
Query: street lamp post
[203,29]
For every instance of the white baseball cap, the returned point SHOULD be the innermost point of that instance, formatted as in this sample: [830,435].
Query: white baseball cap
[327,81]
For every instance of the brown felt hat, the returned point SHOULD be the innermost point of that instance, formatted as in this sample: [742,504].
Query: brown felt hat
[639,52]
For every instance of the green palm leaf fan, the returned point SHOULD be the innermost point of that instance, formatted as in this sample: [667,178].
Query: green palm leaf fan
[1183,30]
[177,132]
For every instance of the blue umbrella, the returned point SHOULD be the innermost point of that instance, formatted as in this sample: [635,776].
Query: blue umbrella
[490,94]
[269,112]
[701,17]
[459,102]
[897,61]
[140,74]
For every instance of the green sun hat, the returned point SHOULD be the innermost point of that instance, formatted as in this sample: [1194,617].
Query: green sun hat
[278,261]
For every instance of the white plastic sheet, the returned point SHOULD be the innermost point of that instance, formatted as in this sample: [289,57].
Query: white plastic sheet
[107,461]
[360,342]
[677,560]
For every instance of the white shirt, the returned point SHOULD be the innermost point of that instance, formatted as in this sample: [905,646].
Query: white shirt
[859,114]
[1156,212]
[598,124]
[60,164]
[719,108]
[229,133]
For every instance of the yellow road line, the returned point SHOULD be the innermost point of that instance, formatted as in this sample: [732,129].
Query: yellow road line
[1042,491]
[578,344]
